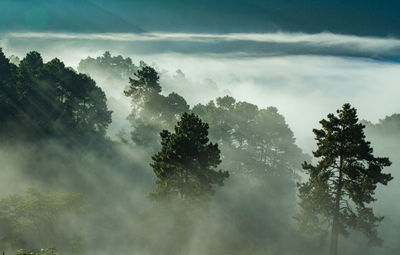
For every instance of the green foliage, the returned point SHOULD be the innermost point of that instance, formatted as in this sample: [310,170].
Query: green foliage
[343,182]
[186,165]
[32,220]
[48,99]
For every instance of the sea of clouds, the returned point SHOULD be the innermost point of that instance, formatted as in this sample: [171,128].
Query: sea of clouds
[306,76]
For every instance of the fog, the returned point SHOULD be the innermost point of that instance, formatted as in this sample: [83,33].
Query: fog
[303,84]
[305,76]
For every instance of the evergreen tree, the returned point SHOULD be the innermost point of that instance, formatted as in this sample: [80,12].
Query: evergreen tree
[185,166]
[342,184]
[151,111]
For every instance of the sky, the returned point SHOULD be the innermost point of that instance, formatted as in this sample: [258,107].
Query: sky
[359,17]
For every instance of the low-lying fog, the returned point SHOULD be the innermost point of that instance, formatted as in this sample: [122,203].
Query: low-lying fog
[306,76]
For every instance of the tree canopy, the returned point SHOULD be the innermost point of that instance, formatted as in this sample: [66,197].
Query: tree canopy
[48,99]
[185,166]
[343,182]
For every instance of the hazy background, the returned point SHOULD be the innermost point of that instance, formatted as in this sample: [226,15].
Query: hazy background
[306,59]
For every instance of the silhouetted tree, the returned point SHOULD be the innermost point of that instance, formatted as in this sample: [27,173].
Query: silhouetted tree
[185,166]
[342,183]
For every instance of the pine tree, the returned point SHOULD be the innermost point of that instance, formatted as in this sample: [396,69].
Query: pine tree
[342,184]
[185,166]
[151,111]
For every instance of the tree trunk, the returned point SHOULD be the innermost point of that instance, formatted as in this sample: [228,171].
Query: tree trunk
[334,237]
[335,222]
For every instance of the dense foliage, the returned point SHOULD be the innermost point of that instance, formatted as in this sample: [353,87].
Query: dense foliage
[185,166]
[49,100]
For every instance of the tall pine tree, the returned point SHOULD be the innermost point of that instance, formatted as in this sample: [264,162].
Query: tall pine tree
[185,166]
[342,184]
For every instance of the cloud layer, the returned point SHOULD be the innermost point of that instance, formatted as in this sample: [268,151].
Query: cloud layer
[265,43]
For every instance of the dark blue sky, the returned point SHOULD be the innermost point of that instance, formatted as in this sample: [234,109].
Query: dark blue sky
[367,17]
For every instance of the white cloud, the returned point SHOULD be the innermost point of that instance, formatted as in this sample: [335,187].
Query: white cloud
[325,39]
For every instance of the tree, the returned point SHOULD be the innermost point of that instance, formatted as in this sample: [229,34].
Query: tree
[342,184]
[152,111]
[144,85]
[185,166]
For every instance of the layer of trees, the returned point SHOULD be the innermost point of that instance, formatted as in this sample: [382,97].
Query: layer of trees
[111,66]
[191,150]
[42,100]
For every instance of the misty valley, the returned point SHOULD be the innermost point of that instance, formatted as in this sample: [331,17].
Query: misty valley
[109,159]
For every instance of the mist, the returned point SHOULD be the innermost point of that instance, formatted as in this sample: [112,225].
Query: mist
[302,83]
[305,76]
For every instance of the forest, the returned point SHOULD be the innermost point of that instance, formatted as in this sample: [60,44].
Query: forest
[85,172]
